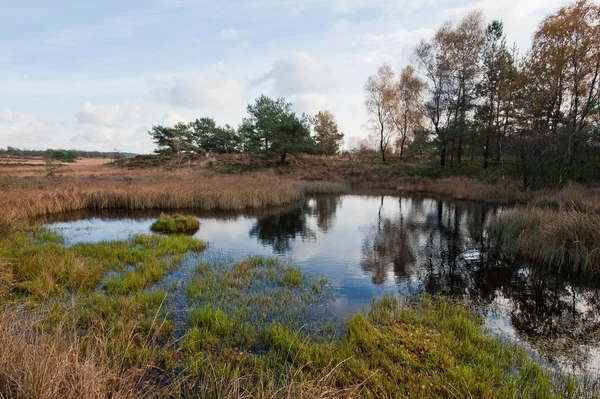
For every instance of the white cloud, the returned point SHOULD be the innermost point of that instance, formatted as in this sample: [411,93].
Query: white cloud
[400,36]
[311,103]
[297,74]
[109,115]
[171,118]
[8,116]
[104,130]
[195,91]
[229,34]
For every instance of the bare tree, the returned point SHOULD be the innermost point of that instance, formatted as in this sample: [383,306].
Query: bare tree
[406,114]
[379,102]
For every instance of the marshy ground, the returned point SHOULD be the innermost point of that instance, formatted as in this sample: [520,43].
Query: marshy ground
[92,319]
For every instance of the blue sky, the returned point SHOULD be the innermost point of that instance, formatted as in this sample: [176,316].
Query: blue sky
[96,75]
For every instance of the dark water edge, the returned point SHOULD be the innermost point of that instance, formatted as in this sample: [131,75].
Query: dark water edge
[368,246]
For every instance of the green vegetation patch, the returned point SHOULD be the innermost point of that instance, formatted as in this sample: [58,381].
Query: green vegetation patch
[42,267]
[232,302]
[428,348]
[176,224]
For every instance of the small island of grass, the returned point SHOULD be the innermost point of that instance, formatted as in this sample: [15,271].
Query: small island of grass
[176,224]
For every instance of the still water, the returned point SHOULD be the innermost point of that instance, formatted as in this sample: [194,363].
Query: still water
[368,246]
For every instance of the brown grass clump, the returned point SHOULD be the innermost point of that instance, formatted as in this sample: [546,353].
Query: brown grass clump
[573,197]
[38,364]
[6,277]
[169,191]
[462,188]
[557,238]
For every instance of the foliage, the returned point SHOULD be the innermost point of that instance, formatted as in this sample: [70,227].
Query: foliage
[272,128]
[328,138]
[173,139]
[212,138]
[62,155]
[379,101]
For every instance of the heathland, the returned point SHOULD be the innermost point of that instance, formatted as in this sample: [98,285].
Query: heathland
[89,320]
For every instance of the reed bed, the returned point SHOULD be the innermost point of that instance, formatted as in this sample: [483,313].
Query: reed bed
[178,192]
[573,197]
[560,239]
[463,188]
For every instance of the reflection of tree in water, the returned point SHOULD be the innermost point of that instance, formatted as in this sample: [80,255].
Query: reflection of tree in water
[324,209]
[280,231]
[444,246]
[545,308]
[389,246]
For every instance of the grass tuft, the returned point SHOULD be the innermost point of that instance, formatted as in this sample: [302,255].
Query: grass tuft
[175,224]
[560,239]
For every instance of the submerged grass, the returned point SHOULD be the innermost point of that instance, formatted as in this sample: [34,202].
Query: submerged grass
[175,224]
[42,267]
[431,348]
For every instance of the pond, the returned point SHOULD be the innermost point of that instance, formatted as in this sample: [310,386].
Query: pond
[368,246]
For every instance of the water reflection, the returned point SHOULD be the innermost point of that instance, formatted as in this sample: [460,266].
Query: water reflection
[279,231]
[369,246]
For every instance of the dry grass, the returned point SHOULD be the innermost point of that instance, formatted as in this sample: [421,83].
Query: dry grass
[43,365]
[463,188]
[6,277]
[558,238]
[560,228]
[573,197]
[162,191]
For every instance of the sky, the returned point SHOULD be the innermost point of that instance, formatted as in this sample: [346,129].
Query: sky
[96,75]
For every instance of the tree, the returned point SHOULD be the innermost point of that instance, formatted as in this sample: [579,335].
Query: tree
[406,114]
[495,90]
[272,128]
[379,102]
[432,58]
[564,66]
[327,136]
[292,136]
[265,117]
[465,45]
[173,139]
[212,138]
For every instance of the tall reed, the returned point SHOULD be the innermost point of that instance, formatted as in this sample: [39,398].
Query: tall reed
[560,239]
[223,193]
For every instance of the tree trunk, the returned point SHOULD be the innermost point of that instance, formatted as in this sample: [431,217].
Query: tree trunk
[443,155]
[283,156]
[381,144]
[402,145]
[486,151]
[459,153]
[452,155]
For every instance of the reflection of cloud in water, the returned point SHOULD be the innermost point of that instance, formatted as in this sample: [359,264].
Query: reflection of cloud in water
[217,230]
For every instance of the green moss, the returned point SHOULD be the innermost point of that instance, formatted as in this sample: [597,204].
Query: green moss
[176,224]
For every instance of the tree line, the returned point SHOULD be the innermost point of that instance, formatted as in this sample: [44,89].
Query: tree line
[60,154]
[470,95]
[270,128]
